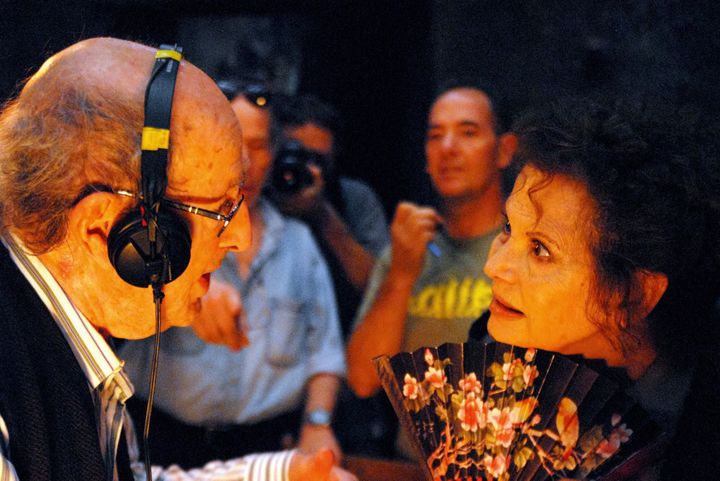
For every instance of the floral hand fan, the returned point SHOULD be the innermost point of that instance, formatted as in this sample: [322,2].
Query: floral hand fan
[480,412]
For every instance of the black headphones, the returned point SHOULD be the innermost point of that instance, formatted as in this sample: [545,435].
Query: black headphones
[150,246]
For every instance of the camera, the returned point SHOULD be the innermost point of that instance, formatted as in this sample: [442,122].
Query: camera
[290,172]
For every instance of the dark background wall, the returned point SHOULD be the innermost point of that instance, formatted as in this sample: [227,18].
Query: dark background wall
[380,62]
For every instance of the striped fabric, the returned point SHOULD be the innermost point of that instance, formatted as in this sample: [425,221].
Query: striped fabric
[111,388]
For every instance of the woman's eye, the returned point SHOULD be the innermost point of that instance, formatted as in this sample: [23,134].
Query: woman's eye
[540,250]
[506,227]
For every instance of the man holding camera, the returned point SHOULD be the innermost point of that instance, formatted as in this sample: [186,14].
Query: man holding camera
[281,389]
[345,215]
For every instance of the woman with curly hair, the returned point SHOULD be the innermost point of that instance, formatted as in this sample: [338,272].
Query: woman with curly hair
[611,250]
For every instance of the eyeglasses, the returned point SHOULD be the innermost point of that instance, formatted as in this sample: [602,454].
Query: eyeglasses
[225,219]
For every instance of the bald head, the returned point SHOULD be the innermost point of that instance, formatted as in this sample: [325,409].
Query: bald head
[481,100]
[78,121]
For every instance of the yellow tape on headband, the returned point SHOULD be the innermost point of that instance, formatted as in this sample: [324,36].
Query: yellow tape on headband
[173,54]
[154,138]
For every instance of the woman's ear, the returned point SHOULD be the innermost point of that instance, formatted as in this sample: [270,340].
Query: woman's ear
[653,285]
[91,220]
[507,143]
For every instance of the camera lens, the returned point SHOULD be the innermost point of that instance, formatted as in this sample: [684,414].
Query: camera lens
[290,168]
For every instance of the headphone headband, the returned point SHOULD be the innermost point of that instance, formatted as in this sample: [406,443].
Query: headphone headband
[149,245]
[156,129]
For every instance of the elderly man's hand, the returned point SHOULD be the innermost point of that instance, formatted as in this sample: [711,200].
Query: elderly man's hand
[314,438]
[317,467]
[222,318]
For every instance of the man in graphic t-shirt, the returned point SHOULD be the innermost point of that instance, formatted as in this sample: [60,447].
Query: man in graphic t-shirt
[428,287]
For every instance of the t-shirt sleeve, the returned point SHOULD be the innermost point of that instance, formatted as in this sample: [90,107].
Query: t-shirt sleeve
[377,276]
[365,216]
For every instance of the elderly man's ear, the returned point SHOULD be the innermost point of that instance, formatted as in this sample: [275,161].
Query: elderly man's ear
[91,220]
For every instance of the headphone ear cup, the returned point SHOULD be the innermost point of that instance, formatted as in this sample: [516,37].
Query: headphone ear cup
[129,247]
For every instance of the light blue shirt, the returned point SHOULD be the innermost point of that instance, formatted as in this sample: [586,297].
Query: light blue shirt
[292,325]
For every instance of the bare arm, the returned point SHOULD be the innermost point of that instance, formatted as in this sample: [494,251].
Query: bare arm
[382,328]
[322,390]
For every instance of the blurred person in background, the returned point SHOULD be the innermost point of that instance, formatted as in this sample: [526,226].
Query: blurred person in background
[428,286]
[349,223]
[345,214]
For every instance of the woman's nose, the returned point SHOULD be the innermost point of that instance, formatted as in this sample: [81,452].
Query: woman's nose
[500,263]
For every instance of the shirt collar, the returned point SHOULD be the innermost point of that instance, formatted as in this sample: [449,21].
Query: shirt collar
[95,356]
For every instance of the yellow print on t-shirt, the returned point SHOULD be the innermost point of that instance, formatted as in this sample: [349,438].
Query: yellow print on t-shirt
[452,300]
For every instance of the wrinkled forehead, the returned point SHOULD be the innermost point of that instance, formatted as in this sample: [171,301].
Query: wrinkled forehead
[553,201]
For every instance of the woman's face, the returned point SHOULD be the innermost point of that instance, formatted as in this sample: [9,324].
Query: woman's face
[542,269]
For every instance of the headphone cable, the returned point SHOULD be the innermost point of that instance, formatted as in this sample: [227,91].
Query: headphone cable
[158,296]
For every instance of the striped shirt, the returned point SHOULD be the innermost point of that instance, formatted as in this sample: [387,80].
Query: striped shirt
[111,388]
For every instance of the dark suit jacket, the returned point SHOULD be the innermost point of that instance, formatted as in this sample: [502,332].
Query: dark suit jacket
[44,395]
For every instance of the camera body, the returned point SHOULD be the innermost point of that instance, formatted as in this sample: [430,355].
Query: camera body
[290,172]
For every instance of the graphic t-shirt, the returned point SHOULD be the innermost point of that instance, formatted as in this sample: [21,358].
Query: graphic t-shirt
[451,292]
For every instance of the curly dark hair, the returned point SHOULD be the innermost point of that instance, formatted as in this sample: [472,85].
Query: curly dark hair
[652,174]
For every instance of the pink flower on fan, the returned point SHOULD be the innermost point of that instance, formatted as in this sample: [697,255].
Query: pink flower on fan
[530,373]
[436,377]
[471,384]
[610,445]
[502,421]
[497,465]
[508,369]
[411,388]
[530,354]
[472,413]
[429,359]
[623,433]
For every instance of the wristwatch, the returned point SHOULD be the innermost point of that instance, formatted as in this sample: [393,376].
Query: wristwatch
[318,417]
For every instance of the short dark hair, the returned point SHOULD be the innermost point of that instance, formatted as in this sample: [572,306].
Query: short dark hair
[652,175]
[498,103]
[291,111]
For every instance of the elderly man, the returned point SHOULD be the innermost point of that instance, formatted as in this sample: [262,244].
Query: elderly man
[69,174]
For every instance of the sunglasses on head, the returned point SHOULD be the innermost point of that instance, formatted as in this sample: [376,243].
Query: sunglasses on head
[255,91]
